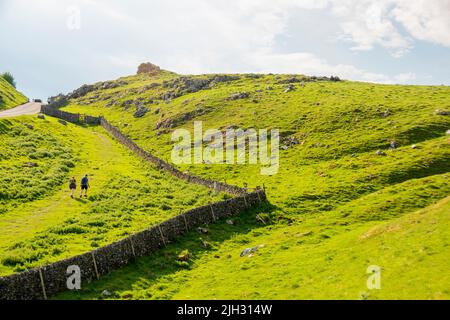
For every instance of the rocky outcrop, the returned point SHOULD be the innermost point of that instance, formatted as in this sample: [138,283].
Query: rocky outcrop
[181,118]
[185,84]
[148,68]
[239,95]
[140,112]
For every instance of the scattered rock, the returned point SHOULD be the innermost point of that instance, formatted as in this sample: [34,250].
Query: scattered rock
[229,221]
[386,113]
[414,146]
[290,141]
[284,147]
[58,101]
[64,123]
[448,131]
[239,95]
[248,251]
[81,91]
[110,84]
[106,293]
[140,112]
[289,88]
[29,126]
[202,230]
[442,112]
[111,103]
[181,118]
[393,144]
[30,164]
[293,79]
[380,153]
[41,116]
[151,86]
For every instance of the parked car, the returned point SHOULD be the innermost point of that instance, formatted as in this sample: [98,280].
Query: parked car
[37,100]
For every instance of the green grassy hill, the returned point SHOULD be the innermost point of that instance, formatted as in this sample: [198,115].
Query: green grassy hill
[40,223]
[337,206]
[9,96]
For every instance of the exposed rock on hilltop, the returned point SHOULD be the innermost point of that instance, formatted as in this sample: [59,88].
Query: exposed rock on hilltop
[148,67]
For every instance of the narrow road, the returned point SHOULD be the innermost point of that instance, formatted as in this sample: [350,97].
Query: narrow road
[24,109]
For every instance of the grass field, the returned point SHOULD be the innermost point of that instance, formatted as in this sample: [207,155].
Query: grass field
[10,97]
[337,206]
[40,223]
[363,180]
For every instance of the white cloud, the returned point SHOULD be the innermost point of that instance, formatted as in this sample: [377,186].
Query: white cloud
[427,20]
[200,36]
[309,64]
[368,23]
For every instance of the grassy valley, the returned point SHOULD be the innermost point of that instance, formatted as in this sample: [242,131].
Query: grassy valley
[363,180]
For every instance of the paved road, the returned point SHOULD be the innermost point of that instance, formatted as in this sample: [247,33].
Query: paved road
[27,108]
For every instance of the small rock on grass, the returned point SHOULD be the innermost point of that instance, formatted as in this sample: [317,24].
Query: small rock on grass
[106,293]
[30,164]
[440,112]
[250,251]
[380,153]
[202,230]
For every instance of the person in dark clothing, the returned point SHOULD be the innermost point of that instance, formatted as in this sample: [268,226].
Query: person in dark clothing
[84,186]
[72,186]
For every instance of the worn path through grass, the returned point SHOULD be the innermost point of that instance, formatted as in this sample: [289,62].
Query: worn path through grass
[126,195]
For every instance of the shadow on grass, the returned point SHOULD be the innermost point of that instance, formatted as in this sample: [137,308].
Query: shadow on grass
[165,261]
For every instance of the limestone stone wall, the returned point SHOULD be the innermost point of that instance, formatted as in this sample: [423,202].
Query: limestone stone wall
[42,282]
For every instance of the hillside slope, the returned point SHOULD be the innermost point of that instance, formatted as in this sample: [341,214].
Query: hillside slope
[41,223]
[355,156]
[9,96]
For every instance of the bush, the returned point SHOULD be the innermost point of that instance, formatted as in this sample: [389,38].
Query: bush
[9,78]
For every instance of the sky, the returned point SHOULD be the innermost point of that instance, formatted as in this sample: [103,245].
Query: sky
[55,46]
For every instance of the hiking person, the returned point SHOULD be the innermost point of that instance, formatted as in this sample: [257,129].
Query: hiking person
[72,186]
[84,186]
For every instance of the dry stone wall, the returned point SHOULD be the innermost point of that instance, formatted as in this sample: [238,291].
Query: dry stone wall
[42,282]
